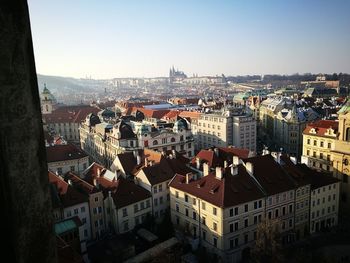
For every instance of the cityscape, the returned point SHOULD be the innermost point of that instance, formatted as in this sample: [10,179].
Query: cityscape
[244,161]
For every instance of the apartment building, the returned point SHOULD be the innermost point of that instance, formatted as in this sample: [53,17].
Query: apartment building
[219,210]
[95,197]
[67,203]
[155,178]
[230,126]
[279,190]
[244,132]
[318,142]
[66,158]
[126,204]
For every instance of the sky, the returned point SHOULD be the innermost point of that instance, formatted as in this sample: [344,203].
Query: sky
[144,38]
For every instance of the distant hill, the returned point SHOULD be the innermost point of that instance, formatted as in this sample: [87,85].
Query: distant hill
[66,85]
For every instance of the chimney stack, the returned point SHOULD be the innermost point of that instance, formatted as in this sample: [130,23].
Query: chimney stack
[225,164]
[216,151]
[198,163]
[69,181]
[235,160]
[146,162]
[116,175]
[98,172]
[174,153]
[136,153]
[188,177]
[138,159]
[218,173]
[250,168]
[234,170]
[205,169]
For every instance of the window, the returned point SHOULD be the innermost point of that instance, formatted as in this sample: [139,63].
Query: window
[155,202]
[176,194]
[155,142]
[82,209]
[214,211]
[186,211]
[204,235]
[136,208]
[177,207]
[290,222]
[276,213]
[270,215]
[59,170]
[203,220]
[72,168]
[231,227]
[186,198]
[315,143]
[215,241]
[142,204]
[290,208]
[329,145]
[194,215]
[231,212]
[161,200]
[160,188]
[203,205]
[308,141]
[194,201]
[246,208]
[283,210]
[96,199]
[168,197]
[125,212]
[321,155]
[83,220]
[236,226]
[308,152]
[246,222]
[215,226]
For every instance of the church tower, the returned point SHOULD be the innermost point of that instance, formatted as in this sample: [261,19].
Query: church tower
[48,101]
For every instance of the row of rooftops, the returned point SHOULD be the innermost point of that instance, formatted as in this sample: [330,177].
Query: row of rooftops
[249,179]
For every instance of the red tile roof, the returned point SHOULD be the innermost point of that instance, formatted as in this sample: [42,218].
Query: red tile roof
[171,115]
[67,195]
[270,175]
[229,191]
[224,154]
[127,193]
[63,152]
[190,114]
[69,114]
[80,184]
[321,127]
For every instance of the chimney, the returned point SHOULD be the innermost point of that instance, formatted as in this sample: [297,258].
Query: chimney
[216,151]
[225,164]
[98,172]
[146,162]
[234,170]
[138,159]
[218,173]
[205,169]
[250,168]
[235,160]
[188,177]
[198,162]
[109,193]
[70,182]
[116,175]
[174,153]
[136,153]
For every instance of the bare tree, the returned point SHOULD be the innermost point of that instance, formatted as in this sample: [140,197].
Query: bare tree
[268,243]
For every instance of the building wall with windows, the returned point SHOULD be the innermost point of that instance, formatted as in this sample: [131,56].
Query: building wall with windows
[302,206]
[98,224]
[244,132]
[124,219]
[62,167]
[318,142]
[324,206]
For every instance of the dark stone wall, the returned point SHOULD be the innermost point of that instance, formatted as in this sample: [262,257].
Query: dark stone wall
[27,232]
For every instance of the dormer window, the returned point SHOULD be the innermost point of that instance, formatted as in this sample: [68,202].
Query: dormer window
[313,131]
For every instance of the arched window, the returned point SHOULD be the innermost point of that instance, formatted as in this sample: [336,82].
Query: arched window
[155,142]
[47,107]
[347,134]
[172,139]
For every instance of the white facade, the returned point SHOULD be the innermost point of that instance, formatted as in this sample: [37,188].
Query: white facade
[244,132]
[76,165]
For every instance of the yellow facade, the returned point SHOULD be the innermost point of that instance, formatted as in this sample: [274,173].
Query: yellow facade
[341,153]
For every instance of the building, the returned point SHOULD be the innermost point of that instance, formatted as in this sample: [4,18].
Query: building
[126,204]
[104,141]
[66,158]
[244,132]
[155,177]
[226,128]
[48,101]
[220,210]
[67,202]
[341,152]
[95,197]
[318,142]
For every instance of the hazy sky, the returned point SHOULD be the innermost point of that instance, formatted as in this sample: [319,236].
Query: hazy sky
[144,38]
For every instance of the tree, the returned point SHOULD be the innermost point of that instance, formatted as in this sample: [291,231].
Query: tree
[268,243]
